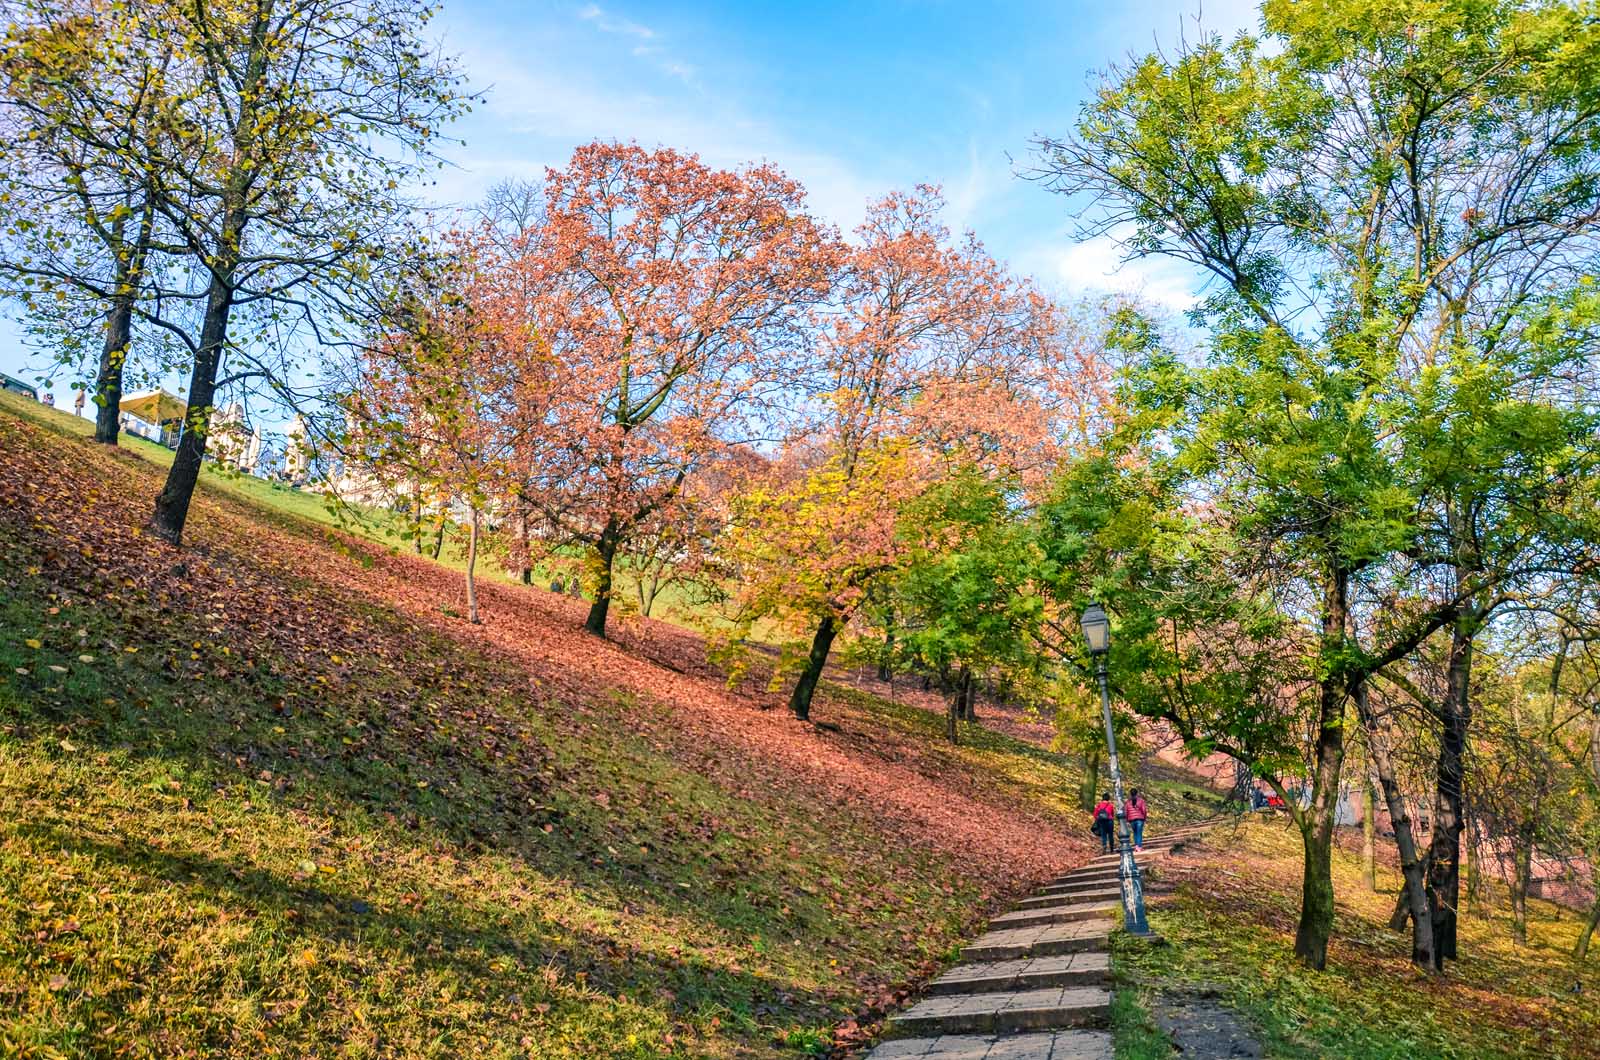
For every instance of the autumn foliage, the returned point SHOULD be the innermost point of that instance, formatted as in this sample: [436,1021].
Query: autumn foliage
[679,366]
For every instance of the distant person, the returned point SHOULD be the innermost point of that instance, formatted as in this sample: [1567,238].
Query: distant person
[1137,813]
[48,399]
[77,402]
[1105,821]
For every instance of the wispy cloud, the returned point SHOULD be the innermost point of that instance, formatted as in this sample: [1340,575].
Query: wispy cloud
[535,113]
[594,13]
[650,47]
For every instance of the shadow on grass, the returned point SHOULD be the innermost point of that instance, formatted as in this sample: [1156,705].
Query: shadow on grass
[463,936]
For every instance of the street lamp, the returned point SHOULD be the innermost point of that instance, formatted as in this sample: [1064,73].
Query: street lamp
[1097,631]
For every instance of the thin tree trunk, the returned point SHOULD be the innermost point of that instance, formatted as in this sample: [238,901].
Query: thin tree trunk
[1091,779]
[119,325]
[108,378]
[1369,834]
[172,504]
[438,535]
[1317,821]
[606,554]
[1581,949]
[1521,875]
[1411,867]
[1444,862]
[1469,867]
[525,567]
[649,589]
[884,672]
[952,713]
[806,686]
[416,517]
[472,565]
[964,694]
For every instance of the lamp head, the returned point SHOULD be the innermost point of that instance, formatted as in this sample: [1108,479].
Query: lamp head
[1096,629]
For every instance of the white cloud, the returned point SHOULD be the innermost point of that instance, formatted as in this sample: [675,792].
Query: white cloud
[966,193]
[607,24]
[537,110]
[1100,264]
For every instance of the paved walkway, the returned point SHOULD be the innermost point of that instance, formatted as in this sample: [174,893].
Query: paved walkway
[1036,986]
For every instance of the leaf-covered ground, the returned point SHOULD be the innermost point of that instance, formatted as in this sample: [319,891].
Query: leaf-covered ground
[267,796]
[1229,907]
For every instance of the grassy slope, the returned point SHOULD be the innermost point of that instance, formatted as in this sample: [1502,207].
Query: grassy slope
[1230,909]
[263,797]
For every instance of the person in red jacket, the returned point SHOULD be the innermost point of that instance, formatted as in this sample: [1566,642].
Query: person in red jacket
[1137,813]
[1105,821]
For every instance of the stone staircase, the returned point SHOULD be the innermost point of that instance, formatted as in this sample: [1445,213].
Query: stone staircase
[1036,986]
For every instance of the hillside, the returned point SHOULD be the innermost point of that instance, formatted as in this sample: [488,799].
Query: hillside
[1228,906]
[269,793]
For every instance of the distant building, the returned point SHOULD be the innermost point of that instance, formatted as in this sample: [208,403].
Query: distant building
[297,453]
[234,441]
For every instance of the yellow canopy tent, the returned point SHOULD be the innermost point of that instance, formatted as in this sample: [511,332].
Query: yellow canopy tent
[156,406]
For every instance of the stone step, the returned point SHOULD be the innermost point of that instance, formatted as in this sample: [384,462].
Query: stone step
[1074,893]
[1049,1045]
[1099,894]
[1047,1008]
[1055,914]
[1044,941]
[1025,973]
[1087,880]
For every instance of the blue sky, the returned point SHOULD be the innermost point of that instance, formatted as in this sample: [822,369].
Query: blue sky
[852,99]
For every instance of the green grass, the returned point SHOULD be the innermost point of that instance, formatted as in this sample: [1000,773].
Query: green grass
[176,875]
[1231,923]
[1135,1033]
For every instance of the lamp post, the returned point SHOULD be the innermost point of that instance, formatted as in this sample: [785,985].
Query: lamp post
[1097,631]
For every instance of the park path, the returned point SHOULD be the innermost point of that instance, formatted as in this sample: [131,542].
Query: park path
[1036,986]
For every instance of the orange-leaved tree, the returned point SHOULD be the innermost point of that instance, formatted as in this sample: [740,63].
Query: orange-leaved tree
[434,409]
[675,300]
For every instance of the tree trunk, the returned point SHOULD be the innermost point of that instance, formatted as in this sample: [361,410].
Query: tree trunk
[1411,867]
[650,588]
[606,553]
[1581,949]
[438,535]
[108,379]
[1091,780]
[1444,862]
[952,713]
[1521,875]
[472,565]
[800,700]
[1369,834]
[416,518]
[119,324]
[172,504]
[1316,893]
[1317,820]
[884,660]
[524,567]
[1471,898]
